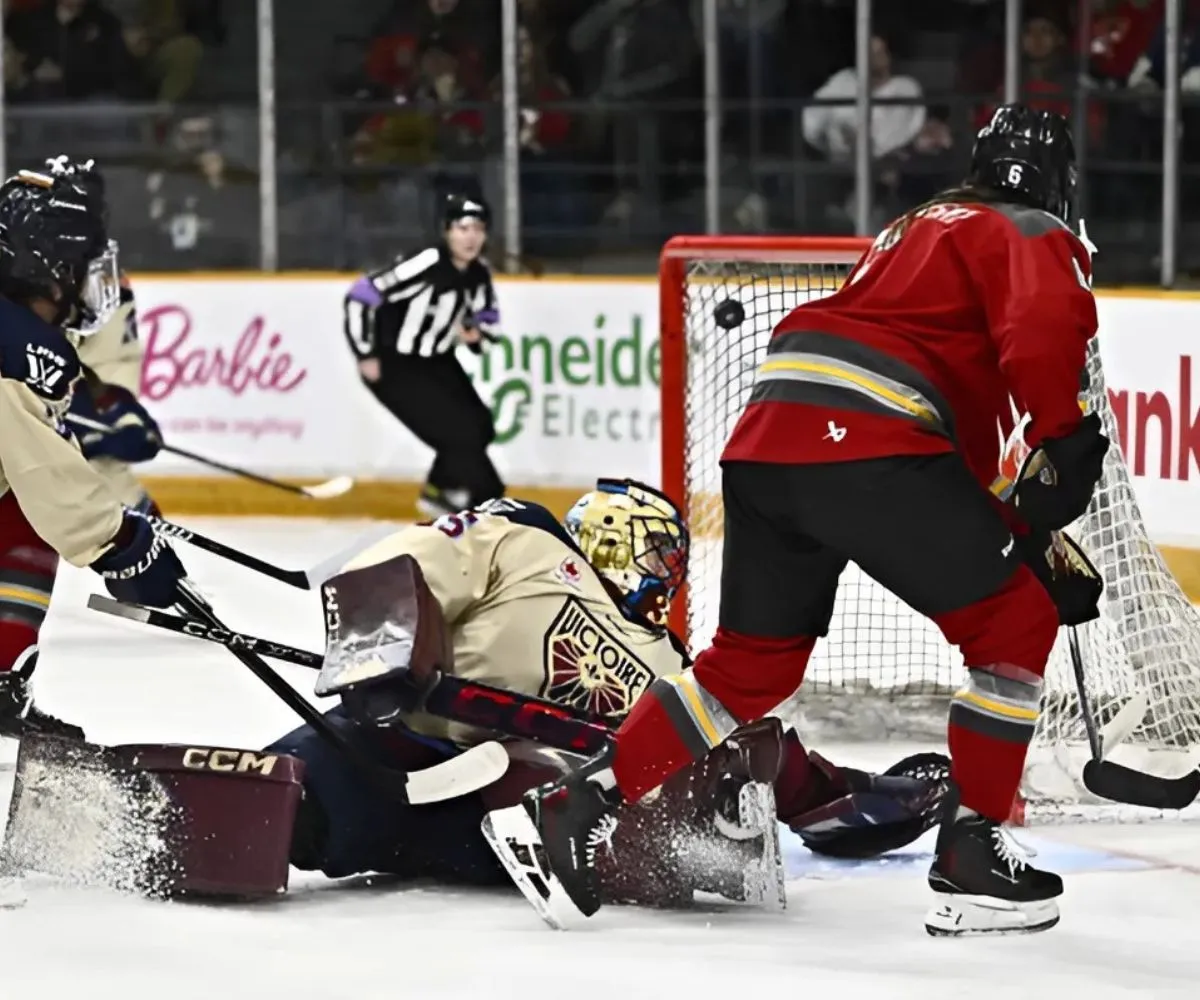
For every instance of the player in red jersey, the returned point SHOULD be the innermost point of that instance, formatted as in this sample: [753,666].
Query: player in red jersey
[872,435]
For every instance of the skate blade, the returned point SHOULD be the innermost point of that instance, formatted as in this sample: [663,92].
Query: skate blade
[763,880]
[972,916]
[514,839]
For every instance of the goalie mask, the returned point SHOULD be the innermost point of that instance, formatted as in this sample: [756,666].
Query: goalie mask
[635,538]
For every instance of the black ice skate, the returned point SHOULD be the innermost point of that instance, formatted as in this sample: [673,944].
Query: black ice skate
[19,716]
[982,883]
[550,842]
[434,502]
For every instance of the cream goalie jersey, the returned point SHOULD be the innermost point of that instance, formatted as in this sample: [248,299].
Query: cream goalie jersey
[526,612]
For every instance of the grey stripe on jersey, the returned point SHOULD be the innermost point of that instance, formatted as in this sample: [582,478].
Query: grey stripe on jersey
[406,278]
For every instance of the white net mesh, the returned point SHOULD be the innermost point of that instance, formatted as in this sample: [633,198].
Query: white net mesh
[884,670]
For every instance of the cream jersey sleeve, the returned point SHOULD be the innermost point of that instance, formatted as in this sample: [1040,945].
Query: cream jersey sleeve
[66,501]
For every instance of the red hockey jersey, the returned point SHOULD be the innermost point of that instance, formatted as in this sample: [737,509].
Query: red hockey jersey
[947,316]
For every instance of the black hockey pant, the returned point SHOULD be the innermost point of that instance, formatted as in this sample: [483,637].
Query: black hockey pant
[434,398]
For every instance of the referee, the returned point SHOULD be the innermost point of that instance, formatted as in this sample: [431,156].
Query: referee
[403,324]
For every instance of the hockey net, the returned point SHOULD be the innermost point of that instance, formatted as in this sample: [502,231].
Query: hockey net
[884,671]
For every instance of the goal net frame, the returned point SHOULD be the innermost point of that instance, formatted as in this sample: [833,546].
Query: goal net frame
[1145,646]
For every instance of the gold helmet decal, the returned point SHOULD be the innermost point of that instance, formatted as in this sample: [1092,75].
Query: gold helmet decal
[635,538]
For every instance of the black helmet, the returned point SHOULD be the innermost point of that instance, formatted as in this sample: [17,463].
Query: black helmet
[86,174]
[1029,154]
[460,206]
[51,235]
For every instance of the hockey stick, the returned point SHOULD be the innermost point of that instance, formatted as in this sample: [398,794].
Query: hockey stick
[1115,781]
[302,579]
[319,491]
[468,772]
[455,698]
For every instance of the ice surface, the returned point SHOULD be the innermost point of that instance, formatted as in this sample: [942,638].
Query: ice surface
[1130,915]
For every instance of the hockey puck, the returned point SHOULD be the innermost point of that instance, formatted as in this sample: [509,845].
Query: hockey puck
[729,314]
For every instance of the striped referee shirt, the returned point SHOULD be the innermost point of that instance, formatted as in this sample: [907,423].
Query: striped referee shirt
[417,305]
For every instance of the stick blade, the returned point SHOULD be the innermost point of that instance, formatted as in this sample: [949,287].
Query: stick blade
[1136,788]
[119,609]
[470,771]
[328,490]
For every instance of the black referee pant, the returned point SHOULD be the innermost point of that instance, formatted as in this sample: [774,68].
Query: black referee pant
[434,398]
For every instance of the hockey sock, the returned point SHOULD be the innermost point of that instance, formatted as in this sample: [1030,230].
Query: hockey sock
[1006,639]
[992,719]
[649,749]
[738,679]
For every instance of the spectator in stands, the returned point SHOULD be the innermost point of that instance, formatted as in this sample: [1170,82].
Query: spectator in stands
[429,120]
[1121,32]
[1048,79]
[1149,72]
[392,62]
[164,56]
[549,199]
[833,128]
[469,29]
[72,50]
[644,53]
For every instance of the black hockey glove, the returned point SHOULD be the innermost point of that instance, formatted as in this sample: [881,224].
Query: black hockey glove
[1067,574]
[141,567]
[485,321]
[134,435]
[1058,478]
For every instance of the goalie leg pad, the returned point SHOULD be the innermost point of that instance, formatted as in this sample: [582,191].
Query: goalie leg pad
[878,813]
[709,828]
[157,819]
[234,812]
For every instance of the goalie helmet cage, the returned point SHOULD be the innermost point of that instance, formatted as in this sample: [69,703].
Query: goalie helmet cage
[885,671]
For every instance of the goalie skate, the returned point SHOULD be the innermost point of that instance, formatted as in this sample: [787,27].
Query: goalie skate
[762,876]
[514,838]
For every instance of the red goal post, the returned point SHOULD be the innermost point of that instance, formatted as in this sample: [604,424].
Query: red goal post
[673,273]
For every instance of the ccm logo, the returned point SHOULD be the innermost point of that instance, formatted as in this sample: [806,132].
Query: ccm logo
[236,761]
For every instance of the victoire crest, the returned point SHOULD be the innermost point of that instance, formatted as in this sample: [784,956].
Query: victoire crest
[587,667]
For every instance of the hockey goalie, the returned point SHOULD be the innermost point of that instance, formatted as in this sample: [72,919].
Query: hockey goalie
[508,596]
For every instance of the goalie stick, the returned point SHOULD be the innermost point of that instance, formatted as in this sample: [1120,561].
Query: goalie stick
[455,698]
[468,772]
[318,491]
[1115,781]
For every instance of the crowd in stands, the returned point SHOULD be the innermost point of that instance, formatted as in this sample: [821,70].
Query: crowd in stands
[87,50]
[611,126]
